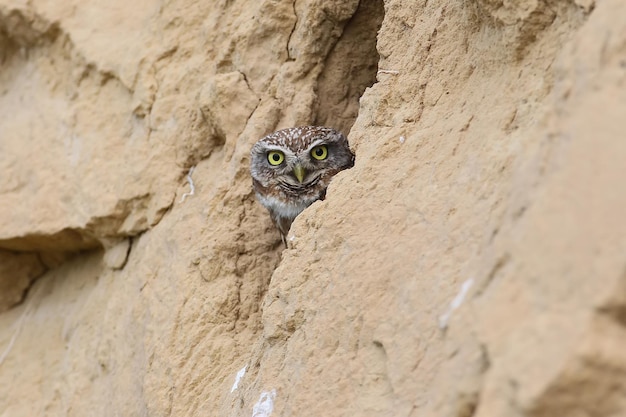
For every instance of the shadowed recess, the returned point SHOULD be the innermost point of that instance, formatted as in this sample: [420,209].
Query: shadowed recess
[350,68]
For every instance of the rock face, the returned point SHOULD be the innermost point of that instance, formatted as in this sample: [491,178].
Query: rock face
[472,263]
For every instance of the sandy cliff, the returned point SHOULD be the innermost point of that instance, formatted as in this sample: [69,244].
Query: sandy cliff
[472,263]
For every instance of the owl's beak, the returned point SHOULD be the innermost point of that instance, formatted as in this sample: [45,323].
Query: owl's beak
[299,172]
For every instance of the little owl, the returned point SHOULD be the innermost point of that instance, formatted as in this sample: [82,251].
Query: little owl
[291,169]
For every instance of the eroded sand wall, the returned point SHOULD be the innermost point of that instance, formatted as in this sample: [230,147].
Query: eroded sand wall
[489,174]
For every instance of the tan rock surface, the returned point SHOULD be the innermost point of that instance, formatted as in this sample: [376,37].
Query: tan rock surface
[472,263]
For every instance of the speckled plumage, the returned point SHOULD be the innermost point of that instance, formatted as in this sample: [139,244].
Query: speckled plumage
[278,187]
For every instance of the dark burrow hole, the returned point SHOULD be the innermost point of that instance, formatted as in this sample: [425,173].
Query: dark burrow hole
[350,68]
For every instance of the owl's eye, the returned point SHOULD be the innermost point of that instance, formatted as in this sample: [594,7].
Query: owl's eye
[275,157]
[320,152]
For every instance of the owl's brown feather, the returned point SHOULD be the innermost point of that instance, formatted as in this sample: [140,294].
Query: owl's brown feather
[278,187]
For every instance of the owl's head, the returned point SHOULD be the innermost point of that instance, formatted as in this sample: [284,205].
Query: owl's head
[299,161]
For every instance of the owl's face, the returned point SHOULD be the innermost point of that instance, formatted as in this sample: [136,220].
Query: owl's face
[292,168]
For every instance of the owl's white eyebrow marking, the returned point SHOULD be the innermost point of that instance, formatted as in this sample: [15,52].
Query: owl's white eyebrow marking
[283,149]
[314,144]
[273,147]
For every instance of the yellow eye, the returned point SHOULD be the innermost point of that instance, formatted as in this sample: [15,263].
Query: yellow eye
[275,157]
[320,152]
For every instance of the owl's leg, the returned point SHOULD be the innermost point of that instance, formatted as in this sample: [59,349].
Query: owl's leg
[283,224]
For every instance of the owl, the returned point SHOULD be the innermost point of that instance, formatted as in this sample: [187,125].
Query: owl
[291,169]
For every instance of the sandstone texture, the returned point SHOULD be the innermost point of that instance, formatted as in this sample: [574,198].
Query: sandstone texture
[471,264]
